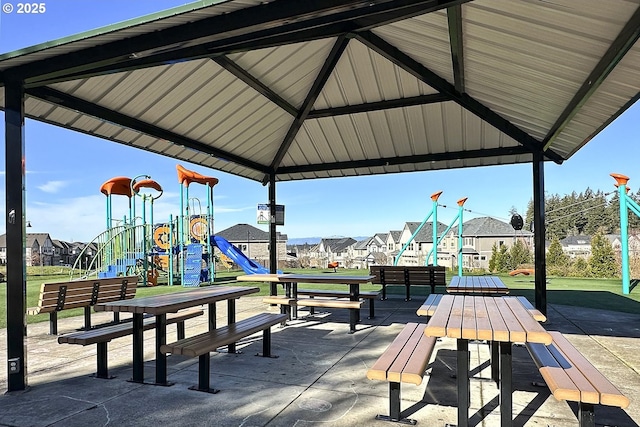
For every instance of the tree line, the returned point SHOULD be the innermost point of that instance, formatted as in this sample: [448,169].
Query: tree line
[591,213]
[583,213]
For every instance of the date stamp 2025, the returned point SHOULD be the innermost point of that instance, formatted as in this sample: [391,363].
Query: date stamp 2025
[24,8]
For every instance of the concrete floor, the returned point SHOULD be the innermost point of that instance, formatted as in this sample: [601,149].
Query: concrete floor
[319,376]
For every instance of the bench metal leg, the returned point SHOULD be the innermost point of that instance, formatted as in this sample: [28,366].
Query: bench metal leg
[103,370]
[138,348]
[354,315]
[116,317]
[266,344]
[586,415]
[87,318]
[204,372]
[463,382]
[53,323]
[312,309]
[180,330]
[231,318]
[372,312]
[384,292]
[506,386]
[394,407]
[408,298]
[495,362]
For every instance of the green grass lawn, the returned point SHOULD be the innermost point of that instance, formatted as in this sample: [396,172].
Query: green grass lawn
[593,293]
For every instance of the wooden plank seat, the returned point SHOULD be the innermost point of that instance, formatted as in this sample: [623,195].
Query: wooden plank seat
[202,344]
[404,361]
[571,377]
[370,296]
[284,302]
[352,306]
[55,297]
[429,306]
[425,275]
[102,335]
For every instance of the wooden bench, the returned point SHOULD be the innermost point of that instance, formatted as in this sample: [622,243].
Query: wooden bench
[426,275]
[571,377]
[201,345]
[370,296]
[404,361]
[429,306]
[102,335]
[345,303]
[55,297]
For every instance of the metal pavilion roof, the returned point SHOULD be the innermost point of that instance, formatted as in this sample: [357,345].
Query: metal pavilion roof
[343,87]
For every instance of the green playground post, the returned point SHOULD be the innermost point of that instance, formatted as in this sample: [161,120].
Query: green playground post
[460,240]
[621,183]
[434,198]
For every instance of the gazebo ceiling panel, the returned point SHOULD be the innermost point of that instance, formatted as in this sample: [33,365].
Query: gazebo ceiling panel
[364,76]
[425,38]
[288,70]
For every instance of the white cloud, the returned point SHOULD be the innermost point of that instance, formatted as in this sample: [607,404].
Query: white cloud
[53,186]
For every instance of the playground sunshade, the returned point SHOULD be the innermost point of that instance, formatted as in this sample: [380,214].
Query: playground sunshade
[331,88]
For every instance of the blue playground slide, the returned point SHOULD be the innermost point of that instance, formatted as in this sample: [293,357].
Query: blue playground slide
[236,255]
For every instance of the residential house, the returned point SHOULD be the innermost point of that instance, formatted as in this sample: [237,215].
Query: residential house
[480,234]
[418,248]
[333,250]
[359,253]
[254,243]
[577,246]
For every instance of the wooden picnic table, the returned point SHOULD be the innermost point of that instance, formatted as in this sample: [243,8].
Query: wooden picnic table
[159,306]
[501,321]
[483,285]
[290,282]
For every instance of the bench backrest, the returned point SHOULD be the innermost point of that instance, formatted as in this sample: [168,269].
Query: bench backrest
[85,293]
[408,275]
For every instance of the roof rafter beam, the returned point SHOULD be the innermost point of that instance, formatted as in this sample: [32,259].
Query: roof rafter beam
[396,161]
[618,49]
[278,17]
[327,68]
[454,18]
[255,84]
[421,72]
[379,105]
[68,101]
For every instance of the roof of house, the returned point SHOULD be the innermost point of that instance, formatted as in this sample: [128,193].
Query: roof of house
[246,232]
[337,245]
[395,235]
[487,226]
[425,235]
[362,244]
[576,240]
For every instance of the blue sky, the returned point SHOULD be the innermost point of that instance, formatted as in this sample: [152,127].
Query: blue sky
[65,169]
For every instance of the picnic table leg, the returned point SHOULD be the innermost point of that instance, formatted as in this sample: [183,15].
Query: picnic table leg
[161,359]
[463,382]
[231,318]
[294,309]
[138,348]
[212,316]
[354,295]
[586,416]
[506,386]
[495,362]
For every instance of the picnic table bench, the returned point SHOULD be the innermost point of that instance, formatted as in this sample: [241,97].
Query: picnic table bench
[426,275]
[102,335]
[55,297]
[571,377]
[429,306]
[369,296]
[482,285]
[404,361]
[201,345]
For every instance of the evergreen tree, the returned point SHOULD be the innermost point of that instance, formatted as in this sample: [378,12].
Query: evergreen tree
[503,260]
[519,254]
[555,255]
[528,217]
[493,261]
[602,262]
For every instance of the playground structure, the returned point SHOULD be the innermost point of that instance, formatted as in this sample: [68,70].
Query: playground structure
[136,245]
[433,254]
[626,204]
